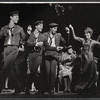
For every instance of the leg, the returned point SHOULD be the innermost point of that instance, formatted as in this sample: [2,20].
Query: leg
[8,63]
[53,75]
[65,84]
[16,78]
[47,65]
[69,82]
[34,63]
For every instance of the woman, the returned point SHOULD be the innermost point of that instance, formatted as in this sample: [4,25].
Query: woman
[66,64]
[89,69]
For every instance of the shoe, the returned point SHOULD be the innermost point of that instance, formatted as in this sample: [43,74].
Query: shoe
[65,91]
[68,91]
[51,91]
[27,92]
[16,92]
[39,92]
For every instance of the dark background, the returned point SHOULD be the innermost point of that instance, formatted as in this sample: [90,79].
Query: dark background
[80,15]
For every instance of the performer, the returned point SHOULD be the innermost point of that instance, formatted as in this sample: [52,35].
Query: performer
[51,57]
[12,34]
[37,42]
[66,65]
[89,69]
[19,69]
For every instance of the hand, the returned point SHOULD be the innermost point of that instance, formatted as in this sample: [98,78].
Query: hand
[70,26]
[21,49]
[39,43]
[29,29]
[59,48]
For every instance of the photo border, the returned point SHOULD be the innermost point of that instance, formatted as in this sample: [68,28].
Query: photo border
[47,2]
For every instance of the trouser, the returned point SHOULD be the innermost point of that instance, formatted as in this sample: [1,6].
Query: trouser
[35,60]
[51,63]
[18,74]
[10,54]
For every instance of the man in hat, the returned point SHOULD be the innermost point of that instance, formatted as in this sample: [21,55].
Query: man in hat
[37,42]
[51,57]
[12,34]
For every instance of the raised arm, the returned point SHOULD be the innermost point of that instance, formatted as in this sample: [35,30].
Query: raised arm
[98,39]
[73,34]
[96,43]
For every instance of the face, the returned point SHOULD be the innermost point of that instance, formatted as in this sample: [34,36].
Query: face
[39,27]
[87,35]
[70,50]
[15,18]
[53,29]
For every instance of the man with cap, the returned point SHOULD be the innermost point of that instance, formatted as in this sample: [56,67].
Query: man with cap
[12,34]
[51,57]
[37,42]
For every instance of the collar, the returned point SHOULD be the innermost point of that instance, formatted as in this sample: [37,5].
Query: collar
[35,36]
[7,26]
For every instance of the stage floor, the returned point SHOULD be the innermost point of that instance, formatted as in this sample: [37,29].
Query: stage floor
[7,93]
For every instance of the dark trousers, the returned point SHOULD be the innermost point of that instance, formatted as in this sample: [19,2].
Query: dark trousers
[35,60]
[10,54]
[51,65]
[18,74]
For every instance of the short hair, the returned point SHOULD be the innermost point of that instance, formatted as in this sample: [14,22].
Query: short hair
[88,30]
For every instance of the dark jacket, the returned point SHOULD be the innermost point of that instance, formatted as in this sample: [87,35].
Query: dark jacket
[41,38]
[58,40]
[18,34]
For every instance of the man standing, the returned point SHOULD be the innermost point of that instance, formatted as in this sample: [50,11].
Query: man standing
[37,42]
[51,57]
[12,34]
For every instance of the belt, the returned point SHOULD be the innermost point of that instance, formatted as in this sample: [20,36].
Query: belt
[10,45]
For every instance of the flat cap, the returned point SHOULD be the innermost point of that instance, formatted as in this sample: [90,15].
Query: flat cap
[53,25]
[69,47]
[14,13]
[38,22]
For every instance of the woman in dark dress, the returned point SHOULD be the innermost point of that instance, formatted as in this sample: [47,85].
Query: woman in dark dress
[89,69]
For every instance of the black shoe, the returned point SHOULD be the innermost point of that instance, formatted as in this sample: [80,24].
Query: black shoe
[27,92]
[51,91]
[79,92]
[16,92]
[39,92]
[65,91]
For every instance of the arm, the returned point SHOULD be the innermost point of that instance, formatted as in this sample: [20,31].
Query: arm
[24,36]
[30,41]
[97,43]
[47,46]
[1,33]
[62,40]
[73,34]
[98,39]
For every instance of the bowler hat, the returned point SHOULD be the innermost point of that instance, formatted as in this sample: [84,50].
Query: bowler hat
[38,22]
[14,13]
[53,25]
